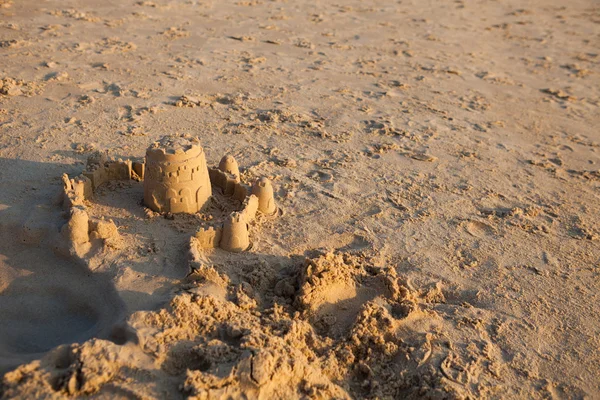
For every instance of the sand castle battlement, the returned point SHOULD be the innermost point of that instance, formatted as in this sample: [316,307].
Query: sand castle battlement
[174,155]
[101,170]
[250,208]
[175,148]
[228,183]
[209,238]
[176,179]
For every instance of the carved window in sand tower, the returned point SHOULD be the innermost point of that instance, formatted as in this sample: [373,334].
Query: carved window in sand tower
[185,195]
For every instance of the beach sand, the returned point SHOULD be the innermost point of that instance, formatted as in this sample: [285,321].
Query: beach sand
[436,169]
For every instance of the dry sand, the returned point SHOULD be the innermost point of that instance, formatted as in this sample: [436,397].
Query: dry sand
[436,164]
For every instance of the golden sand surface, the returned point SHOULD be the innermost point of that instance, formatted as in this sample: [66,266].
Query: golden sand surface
[435,174]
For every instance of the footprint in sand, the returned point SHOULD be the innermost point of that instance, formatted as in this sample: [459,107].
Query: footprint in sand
[479,229]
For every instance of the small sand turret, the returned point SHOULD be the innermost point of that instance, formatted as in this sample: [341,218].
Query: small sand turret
[235,234]
[76,230]
[176,176]
[263,189]
[229,164]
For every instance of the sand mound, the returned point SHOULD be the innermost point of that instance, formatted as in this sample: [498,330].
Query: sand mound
[333,289]
[326,327]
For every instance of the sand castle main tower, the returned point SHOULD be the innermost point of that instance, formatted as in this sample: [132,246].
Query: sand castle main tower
[176,176]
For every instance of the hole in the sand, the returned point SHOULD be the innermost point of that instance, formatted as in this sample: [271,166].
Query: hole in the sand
[198,362]
[335,317]
[45,320]
[479,229]
[231,335]
[401,311]
[47,301]
[123,333]
[185,356]
[61,357]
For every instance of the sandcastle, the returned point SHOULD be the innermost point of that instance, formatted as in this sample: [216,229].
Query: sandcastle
[176,179]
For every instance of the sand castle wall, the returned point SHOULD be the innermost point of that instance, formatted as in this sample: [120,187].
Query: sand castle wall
[80,230]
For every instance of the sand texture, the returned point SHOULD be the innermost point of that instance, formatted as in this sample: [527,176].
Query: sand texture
[404,199]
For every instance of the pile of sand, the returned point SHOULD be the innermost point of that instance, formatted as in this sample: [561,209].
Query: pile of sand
[325,328]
